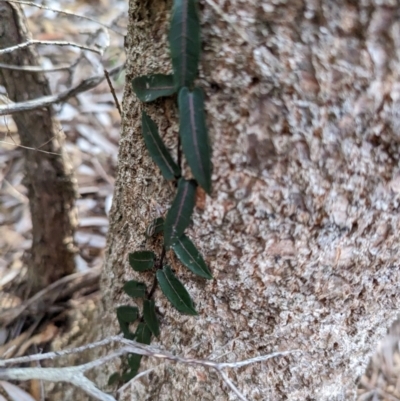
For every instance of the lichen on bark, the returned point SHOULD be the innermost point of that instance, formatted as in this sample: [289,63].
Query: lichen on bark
[300,230]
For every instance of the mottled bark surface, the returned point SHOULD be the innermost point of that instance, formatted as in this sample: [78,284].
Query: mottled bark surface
[49,179]
[301,230]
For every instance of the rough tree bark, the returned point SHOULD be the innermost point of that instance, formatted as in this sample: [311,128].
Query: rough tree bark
[49,179]
[301,230]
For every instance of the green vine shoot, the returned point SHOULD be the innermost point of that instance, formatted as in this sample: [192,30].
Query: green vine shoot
[185,46]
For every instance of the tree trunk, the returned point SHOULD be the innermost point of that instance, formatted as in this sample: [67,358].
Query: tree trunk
[49,179]
[301,229]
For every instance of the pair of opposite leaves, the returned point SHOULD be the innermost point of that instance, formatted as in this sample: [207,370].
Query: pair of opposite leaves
[193,135]
[185,45]
[170,285]
[127,315]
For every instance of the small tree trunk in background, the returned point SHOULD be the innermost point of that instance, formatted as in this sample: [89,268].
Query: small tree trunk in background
[301,230]
[49,178]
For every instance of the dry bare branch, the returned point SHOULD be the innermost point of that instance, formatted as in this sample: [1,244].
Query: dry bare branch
[64,12]
[32,68]
[75,374]
[62,288]
[46,101]
[47,43]
[113,92]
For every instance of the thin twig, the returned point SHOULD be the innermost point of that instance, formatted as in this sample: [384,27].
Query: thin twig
[151,351]
[47,101]
[261,358]
[52,355]
[61,288]
[64,12]
[28,148]
[231,385]
[113,92]
[74,374]
[47,43]
[33,68]
[137,377]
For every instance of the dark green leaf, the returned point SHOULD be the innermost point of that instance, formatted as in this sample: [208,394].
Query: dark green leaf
[155,227]
[127,314]
[149,315]
[134,361]
[141,260]
[125,329]
[175,291]
[135,289]
[130,374]
[194,137]
[158,151]
[178,216]
[150,87]
[184,41]
[114,378]
[143,334]
[191,257]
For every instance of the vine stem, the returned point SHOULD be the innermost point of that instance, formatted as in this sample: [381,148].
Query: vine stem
[75,374]
[159,266]
[153,288]
[179,152]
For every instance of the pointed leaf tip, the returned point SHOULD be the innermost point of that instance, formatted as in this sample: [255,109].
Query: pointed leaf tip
[149,315]
[184,41]
[150,87]
[178,216]
[194,136]
[157,149]
[141,261]
[189,255]
[175,291]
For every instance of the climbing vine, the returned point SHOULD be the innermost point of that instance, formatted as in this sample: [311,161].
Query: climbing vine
[185,47]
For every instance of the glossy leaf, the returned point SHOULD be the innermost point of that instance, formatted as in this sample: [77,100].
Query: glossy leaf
[158,151]
[143,334]
[150,87]
[178,216]
[175,291]
[194,136]
[125,330]
[155,227]
[149,315]
[189,255]
[184,41]
[127,314]
[141,260]
[135,289]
